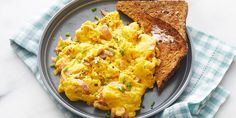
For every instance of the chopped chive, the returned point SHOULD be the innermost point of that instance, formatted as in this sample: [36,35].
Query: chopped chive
[83,73]
[66,69]
[142,107]
[52,65]
[110,49]
[108,115]
[122,52]
[57,57]
[67,34]
[129,85]
[114,37]
[84,51]
[153,103]
[121,89]
[123,81]
[94,9]
[96,18]
[113,47]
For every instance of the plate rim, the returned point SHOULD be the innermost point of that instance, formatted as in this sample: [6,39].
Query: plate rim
[42,76]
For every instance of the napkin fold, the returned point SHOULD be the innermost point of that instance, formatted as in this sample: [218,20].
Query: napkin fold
[201,98]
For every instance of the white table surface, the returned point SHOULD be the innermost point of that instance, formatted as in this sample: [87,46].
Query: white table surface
[21,96]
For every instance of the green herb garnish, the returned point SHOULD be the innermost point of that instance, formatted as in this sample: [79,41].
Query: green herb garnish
[122,52]
[52,65]
[129,85]
[67,34]
[110,49]
[57,57]
[66,69]
[113,47]
[94,9]
[84,51]
[153,103]
[83,73]
[114,37]
[123,81]
[121,89]
[142,107]
[96,18]
[108,115]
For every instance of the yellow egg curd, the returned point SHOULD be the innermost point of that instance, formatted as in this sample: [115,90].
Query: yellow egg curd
[107,64]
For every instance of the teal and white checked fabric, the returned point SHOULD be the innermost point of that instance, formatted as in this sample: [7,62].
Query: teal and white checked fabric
[201,98]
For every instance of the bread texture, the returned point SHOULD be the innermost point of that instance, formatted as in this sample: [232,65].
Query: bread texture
[170,17]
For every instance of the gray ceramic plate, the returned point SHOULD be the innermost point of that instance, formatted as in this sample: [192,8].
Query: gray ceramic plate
[68,20]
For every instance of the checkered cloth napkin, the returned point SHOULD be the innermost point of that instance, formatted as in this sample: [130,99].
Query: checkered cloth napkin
[202,97]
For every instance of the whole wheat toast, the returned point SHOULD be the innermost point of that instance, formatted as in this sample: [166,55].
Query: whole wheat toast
[173,12]
[170,17]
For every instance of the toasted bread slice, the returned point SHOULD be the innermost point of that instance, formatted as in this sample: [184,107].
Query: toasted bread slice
[154,13]
[173,12]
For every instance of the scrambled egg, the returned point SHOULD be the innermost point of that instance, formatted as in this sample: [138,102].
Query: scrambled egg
[107,64]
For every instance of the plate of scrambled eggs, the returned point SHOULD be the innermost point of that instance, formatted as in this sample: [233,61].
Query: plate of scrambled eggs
[103,65]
